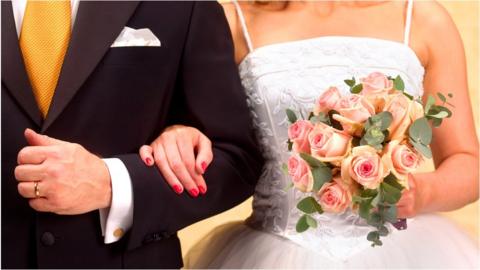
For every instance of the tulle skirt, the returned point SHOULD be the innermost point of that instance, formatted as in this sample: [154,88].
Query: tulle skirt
[430,241]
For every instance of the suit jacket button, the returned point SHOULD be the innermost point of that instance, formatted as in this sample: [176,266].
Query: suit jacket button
[48,239]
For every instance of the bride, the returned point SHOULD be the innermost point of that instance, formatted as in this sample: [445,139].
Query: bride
[287,53]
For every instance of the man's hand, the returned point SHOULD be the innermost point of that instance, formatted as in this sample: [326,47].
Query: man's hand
[70,179]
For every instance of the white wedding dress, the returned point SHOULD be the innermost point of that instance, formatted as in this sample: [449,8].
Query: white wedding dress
[292,75]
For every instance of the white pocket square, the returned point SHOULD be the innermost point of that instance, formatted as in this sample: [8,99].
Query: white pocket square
[130,37]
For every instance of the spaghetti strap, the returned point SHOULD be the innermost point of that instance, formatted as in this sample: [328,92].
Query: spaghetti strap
[244,25]
[408,22]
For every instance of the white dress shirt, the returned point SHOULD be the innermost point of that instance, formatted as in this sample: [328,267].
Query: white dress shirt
[117,219]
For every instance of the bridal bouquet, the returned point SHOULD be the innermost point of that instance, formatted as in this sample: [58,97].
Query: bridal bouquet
[357,151]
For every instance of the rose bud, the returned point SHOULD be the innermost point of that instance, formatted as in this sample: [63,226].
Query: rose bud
[300,172]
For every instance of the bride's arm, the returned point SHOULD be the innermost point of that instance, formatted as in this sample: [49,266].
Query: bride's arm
[455,182]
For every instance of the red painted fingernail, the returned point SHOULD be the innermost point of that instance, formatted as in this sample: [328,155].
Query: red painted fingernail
[194,192]
[178,189]
[202,190]
[149,161]
[204,166]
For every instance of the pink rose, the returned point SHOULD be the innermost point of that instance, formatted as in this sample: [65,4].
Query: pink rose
[404,112]
[327,101]
[365,167]
[401,160]
[334,197]
[328,144]
[376,83]
[354,111]
[298,135]
[300,172]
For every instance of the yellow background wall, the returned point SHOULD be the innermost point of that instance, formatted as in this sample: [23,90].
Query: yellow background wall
[466,16]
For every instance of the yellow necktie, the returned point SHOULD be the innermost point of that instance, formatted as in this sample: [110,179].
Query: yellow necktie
[44,38]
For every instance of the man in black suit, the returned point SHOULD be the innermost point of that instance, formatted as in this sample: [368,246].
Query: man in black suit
[107,103]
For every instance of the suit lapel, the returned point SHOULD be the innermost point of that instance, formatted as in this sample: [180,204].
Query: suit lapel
[96,26]
[14,75]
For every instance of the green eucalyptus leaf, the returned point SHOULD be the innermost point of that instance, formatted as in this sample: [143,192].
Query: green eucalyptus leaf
[436,122]
[393,181]
[441,97]
[429,103]
[364,209]
[334,123]
[285,168]
[390,215]
[377,147]
[313,162]
[398,83]
[374,136]
[372,236]
[302,224]
[407,95]
[292,117]
[351,82]
[423,149]
[381,120]
[444,109]
[312,223]
[391,194]
[368,193]
[420,131]
[321,117]
[383,231]
[358,199]
[290,145]
[309,205]
[321,175]
[375,219]
[376,200]
[441,115]
[357,89]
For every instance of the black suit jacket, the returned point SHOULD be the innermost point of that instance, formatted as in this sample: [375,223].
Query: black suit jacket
[113,100]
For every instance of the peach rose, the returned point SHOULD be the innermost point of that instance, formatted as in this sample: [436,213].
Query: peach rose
[298,135]
[328,144]
[376,83]
[300,172]
[375,88]
[334,197]
[354,111]
[327,101]
[401,160]
[365,167]
[404,112]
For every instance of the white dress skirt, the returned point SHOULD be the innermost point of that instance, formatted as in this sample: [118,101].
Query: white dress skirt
[431,241]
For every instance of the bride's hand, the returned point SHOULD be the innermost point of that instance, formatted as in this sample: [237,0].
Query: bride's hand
[409,204]
[182,154]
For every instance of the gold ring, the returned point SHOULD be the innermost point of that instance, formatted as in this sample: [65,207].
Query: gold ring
[36,189]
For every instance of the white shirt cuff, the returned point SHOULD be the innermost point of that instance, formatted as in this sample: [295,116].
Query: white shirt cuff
[116,220]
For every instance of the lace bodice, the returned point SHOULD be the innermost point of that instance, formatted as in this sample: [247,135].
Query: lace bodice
[292,75]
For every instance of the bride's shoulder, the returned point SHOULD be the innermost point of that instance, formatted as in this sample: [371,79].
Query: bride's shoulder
[431,18]
[235,27]
[433,25]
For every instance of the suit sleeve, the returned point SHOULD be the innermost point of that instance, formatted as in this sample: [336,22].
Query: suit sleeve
[209,96]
